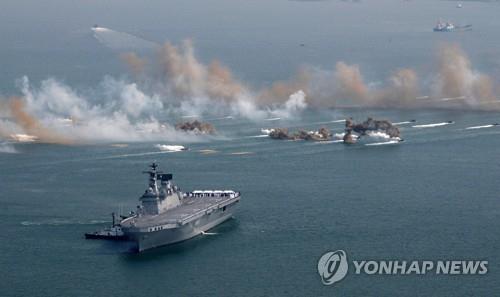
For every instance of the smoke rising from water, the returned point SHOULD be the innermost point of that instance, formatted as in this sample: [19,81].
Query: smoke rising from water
[174,83]
[350,83]
[454,84]
[402,90]
[190,87]
[281,90]
[185,76]
[457,79]
[31,125]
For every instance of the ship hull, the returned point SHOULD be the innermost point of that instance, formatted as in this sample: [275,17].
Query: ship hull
[148,240]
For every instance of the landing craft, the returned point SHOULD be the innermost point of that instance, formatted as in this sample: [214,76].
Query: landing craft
[370,130]
[112,233]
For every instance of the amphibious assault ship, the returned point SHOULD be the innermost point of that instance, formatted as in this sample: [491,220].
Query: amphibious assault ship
[167,215]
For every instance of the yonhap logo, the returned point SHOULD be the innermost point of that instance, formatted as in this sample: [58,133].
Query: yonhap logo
[332,267]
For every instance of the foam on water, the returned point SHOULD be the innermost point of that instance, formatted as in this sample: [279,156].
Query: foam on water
[383,143]
[170,148]
[241,153]
[341,136]
[266,131]
[433,125]
[209,233]
[330,122]
[481,127]
[378,134]
[207,151]
[403,123]
[327,142]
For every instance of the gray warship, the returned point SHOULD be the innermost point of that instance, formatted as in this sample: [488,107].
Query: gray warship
[167,215]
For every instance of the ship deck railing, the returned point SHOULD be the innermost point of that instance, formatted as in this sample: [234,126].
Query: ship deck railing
[215,193]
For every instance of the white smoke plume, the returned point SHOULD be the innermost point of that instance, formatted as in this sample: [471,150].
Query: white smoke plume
[292,107]
[7,148]
[54,112]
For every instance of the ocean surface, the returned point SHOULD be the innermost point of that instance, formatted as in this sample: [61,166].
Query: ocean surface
[434,196]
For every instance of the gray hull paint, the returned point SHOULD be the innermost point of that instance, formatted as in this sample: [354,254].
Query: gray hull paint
[148,240]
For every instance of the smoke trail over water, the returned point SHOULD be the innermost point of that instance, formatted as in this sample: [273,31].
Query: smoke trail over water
[120,40]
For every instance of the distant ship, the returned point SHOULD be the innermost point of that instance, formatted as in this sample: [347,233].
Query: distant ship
[444,26]
[450,27]
[167,215]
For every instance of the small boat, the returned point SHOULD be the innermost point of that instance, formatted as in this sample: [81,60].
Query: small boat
[110,233]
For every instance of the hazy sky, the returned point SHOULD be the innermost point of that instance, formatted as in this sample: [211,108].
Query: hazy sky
[260,40]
